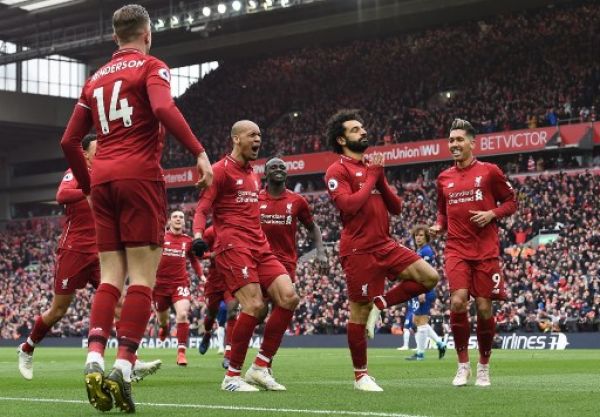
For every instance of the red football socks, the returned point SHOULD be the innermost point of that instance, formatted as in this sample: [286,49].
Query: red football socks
[229,330]
[357,342]
[102,316]
[400,293]
[183,332]
[275,328]
[134,319]
[485,338]
[240,339]
[37,334]
[461,331]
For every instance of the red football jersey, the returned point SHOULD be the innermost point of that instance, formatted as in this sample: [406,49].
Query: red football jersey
[233,197]
[279,220]
[79,232]
[124,101]
[172,270]
[364,214]
[480,186]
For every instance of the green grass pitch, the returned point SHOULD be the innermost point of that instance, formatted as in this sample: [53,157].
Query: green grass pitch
[319,382]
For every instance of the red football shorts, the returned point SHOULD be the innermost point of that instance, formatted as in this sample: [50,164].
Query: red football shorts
[129,213]
[290,267]
[241,266]
[483,278]
[165,296]
[366,272]
[73,270]
[215,291]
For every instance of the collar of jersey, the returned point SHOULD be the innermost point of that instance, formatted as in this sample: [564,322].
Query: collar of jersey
[473,162]
[351,160]
[125,51]
[246,167]
[270,197]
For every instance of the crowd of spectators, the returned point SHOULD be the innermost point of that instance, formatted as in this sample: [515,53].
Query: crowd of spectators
[521,70]
[552,287]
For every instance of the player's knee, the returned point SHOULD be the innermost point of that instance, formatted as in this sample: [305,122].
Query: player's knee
[431,278]
[458,305]
[290,300]
[254,307]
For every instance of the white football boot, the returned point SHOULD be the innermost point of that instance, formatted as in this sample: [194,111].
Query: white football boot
[262,377]
[462,375]
[237,384]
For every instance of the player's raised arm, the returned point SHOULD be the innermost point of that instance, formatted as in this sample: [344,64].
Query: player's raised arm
[165,110]
[79,125]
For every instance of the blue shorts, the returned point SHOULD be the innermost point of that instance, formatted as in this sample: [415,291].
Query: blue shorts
[423,309]
[222,314]
[408,320]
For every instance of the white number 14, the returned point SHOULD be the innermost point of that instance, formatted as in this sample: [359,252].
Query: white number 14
[124,112]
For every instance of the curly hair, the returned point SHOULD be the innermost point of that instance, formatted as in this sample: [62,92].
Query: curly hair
[335,127]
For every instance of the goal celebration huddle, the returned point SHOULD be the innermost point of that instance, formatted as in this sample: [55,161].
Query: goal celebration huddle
[119,237]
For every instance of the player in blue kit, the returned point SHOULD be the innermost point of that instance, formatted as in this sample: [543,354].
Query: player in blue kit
[420,306]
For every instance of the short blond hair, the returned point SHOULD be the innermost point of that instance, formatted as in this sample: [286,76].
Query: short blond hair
[129,22]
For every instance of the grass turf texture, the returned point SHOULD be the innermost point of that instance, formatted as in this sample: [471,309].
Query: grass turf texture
[319,381]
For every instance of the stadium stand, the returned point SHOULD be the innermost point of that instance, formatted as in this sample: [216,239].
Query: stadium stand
[552,287]
[506,72]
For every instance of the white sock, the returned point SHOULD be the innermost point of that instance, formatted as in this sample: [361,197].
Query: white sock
[432,334]
[421,338]
[220,337]
[95,357]
[406,336]
[125,367]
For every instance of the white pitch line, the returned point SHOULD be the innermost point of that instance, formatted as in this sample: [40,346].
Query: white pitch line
[225,407]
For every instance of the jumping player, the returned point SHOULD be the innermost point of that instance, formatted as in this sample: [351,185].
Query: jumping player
[128,101]
[77,261]
[245,259]
[368,253]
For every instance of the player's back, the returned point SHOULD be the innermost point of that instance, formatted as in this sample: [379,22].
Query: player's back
[130,138]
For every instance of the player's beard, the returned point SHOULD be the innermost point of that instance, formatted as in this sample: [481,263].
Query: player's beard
[359,146]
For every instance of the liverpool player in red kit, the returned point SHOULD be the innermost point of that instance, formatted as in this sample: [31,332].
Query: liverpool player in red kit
[280,210]
[172,286]
[245,260]
[215,291]
[368,253]
[468,197]
[128,101]
[76,261]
